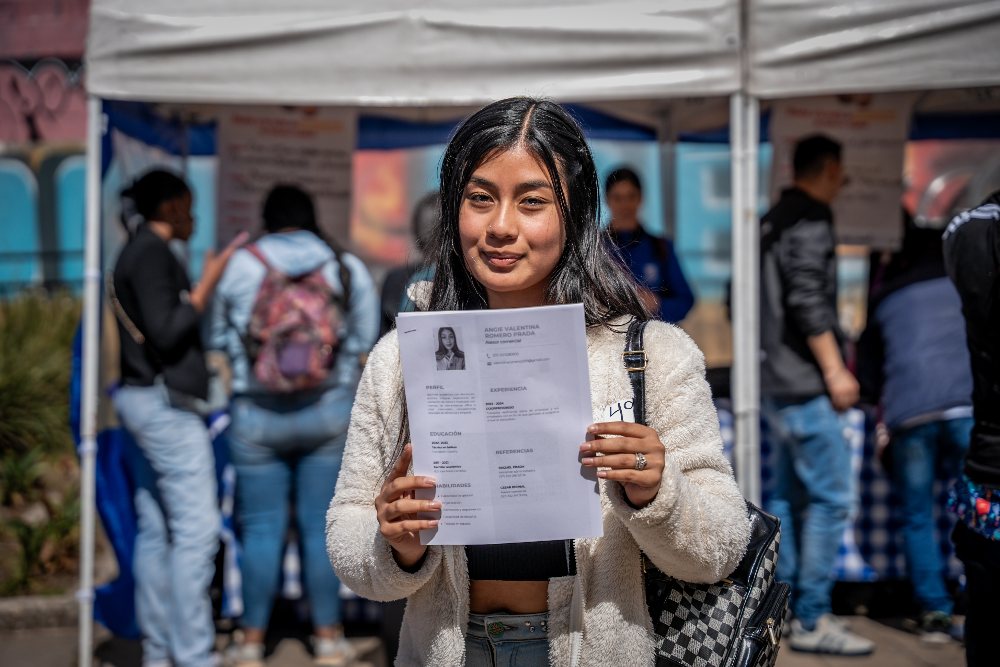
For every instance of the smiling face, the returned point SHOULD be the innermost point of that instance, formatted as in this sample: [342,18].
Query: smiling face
[447,337]
[509,228]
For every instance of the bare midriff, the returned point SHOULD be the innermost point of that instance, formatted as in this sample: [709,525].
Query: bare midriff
[488,596]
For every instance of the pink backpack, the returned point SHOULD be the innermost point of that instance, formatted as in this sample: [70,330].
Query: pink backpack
[294,330]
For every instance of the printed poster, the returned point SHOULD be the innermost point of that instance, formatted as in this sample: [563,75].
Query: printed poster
[258,148]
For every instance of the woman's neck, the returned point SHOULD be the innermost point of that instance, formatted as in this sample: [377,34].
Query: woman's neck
[625,225]
[162,229]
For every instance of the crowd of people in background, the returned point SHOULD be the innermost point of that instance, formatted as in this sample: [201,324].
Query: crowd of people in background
[296,316]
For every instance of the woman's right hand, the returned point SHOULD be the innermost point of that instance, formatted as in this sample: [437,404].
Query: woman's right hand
[397,509]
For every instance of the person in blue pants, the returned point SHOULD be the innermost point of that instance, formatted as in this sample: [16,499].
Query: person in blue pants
[164,380]
[805,387]
[912,359]
[287,446]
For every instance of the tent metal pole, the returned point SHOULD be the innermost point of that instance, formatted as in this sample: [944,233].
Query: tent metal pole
[744,121]
[666,142]
[91,364]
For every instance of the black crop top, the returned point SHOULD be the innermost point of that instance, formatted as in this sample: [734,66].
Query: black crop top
[524,561]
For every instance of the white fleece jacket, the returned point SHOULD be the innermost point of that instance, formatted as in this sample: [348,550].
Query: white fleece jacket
[696,529]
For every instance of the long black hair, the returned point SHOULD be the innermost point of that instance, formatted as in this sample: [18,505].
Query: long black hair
[587,272]
[442,351]
[289,207]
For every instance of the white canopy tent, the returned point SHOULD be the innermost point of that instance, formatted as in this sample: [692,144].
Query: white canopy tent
[633,57]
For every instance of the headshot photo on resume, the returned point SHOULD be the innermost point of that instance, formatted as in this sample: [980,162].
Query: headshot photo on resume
[449,355]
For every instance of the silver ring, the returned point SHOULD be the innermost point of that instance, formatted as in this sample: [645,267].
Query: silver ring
[640,461]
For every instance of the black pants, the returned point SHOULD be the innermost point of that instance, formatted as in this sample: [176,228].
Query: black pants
[981,558]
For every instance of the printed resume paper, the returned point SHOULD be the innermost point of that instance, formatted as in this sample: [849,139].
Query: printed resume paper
[499,403]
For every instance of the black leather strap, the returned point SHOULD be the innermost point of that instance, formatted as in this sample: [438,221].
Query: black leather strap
[635,360]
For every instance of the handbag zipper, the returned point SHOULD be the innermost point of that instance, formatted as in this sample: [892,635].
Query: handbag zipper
[770,631]
[770,612]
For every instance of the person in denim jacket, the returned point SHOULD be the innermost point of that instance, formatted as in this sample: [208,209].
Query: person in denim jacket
[289,446]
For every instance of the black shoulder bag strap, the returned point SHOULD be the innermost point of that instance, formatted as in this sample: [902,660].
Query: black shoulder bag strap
[635,359]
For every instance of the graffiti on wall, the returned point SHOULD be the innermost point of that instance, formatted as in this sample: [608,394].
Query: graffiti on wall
[43,102]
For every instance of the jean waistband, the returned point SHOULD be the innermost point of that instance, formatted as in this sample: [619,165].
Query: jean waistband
[509,627]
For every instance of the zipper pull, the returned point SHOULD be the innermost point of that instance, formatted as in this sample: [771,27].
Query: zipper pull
[771,633]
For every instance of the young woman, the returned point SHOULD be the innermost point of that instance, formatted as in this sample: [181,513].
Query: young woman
[520,228]
[163,374]
[449,356]
[289,445]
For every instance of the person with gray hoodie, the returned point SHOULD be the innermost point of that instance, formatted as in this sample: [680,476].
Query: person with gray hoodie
[288,444]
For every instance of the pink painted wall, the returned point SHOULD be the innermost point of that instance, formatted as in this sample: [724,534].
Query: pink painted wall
[45,103]
[34,29]
[41,78]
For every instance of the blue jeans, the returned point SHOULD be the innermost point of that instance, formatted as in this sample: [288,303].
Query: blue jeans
[916,453]
[813,496]
[178,516]
[507,640]
[278,444]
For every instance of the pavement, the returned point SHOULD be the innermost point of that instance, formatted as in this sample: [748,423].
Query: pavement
[896,646]
[56,647]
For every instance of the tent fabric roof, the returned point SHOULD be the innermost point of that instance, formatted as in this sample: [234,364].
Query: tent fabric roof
[809,47]
[395,53]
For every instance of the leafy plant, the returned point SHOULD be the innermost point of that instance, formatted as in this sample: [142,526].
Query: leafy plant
[48,548]
[19,475]
[36,334]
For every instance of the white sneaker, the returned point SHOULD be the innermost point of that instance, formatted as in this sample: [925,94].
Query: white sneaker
[335,652]
[243,654]
[829,636]
[935,627]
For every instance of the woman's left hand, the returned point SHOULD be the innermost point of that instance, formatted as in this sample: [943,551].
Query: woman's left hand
[633,456]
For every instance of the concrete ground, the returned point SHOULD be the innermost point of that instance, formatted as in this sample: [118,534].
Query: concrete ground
[57,648]
[895,647]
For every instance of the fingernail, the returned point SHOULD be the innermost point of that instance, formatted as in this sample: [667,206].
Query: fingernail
[602,473]
[435,505]
[434,524]
[585,447]
[588,461]
[592,428]
[430,481]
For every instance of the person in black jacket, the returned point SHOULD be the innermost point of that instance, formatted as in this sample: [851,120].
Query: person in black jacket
[805,384]
[972,257]
[163,374]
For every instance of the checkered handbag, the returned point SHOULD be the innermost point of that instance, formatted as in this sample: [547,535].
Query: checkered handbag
[733,623]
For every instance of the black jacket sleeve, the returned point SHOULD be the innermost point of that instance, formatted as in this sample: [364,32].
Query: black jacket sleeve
[972,257]
[805,251]
[167,321]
